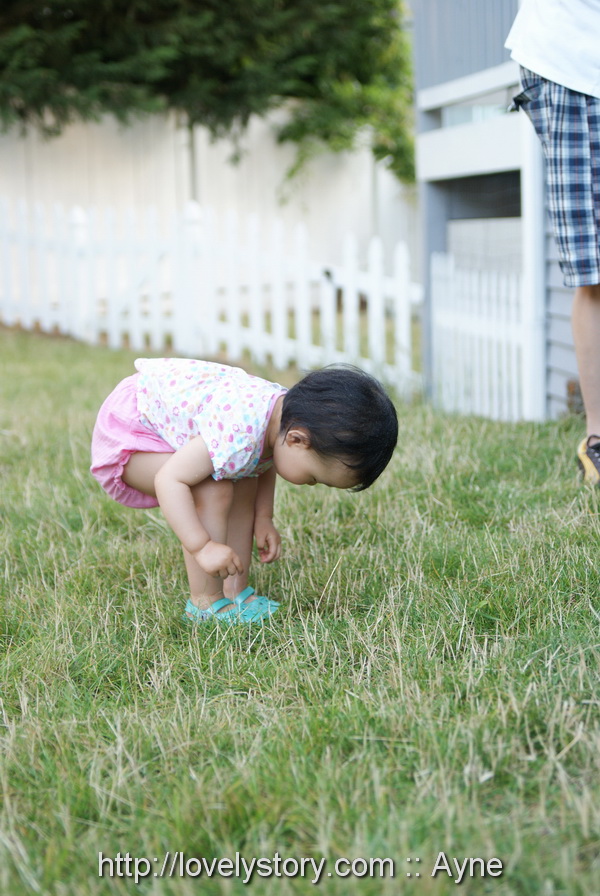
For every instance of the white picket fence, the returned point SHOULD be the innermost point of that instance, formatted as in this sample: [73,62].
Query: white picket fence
[479,341]
[205,286]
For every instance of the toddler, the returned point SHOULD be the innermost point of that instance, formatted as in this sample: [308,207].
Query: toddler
[205,441]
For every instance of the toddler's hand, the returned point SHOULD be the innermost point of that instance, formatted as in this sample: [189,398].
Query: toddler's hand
[219,560]
[268,540]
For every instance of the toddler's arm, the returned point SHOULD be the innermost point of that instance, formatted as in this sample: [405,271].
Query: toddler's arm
[268,539]
[185,468]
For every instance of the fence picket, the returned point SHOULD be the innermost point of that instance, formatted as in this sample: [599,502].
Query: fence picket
[351,298]
[255,339]
[92,277]
[327,317]
[114,334]
[277,298]
[401,311]
[232,284]
[186,263]
[208,304]
[514,323]
[153,328]
[24,296]
[40,268]
[302,298]
[9,315]
[376,305]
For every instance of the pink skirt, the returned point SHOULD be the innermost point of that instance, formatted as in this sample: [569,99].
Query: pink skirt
[117,435]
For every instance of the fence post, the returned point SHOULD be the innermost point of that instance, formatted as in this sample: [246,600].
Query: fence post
[77,299]
[256,315]
[24,296]
[155,327]
[350,299]
[233,345]
[208,299]
[134,279]
[186,252]
[439,285]
[92,275]
[40,265]
[376,305]
[279,308]
[302,300]
[8,311]
[402,314]
[516,291]
[114,325]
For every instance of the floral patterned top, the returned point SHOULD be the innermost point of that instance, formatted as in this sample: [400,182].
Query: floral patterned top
[180,399]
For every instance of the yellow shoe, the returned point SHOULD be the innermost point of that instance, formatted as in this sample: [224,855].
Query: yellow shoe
[588,457]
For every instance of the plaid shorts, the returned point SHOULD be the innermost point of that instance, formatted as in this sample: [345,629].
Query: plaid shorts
[568,125]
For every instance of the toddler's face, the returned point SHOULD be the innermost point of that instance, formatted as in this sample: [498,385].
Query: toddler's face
[297,462]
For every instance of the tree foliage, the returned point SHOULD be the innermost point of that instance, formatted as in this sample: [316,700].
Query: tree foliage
[336,66]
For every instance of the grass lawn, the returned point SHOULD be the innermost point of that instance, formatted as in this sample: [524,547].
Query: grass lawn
[430,684]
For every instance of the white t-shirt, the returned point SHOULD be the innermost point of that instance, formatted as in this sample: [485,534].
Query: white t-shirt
[559,40]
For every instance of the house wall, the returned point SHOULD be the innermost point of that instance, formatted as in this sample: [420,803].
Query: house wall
[464,79]
[97,164]
[498,240]
[150,163]
[455,38]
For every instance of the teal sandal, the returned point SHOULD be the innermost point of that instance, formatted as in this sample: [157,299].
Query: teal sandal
[239,611]
[260,598]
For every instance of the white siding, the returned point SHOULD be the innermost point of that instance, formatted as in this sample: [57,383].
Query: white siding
[149,164]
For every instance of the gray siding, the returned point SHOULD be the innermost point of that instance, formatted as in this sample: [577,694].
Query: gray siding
[454,38]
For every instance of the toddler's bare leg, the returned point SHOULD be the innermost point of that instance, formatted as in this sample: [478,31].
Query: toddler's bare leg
[240,532]
[213,501]
[140,470]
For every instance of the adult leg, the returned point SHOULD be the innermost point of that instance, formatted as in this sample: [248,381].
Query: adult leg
[586,336]
[568,124]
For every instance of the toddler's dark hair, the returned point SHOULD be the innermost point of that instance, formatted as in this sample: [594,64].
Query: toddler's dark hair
[348,416]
